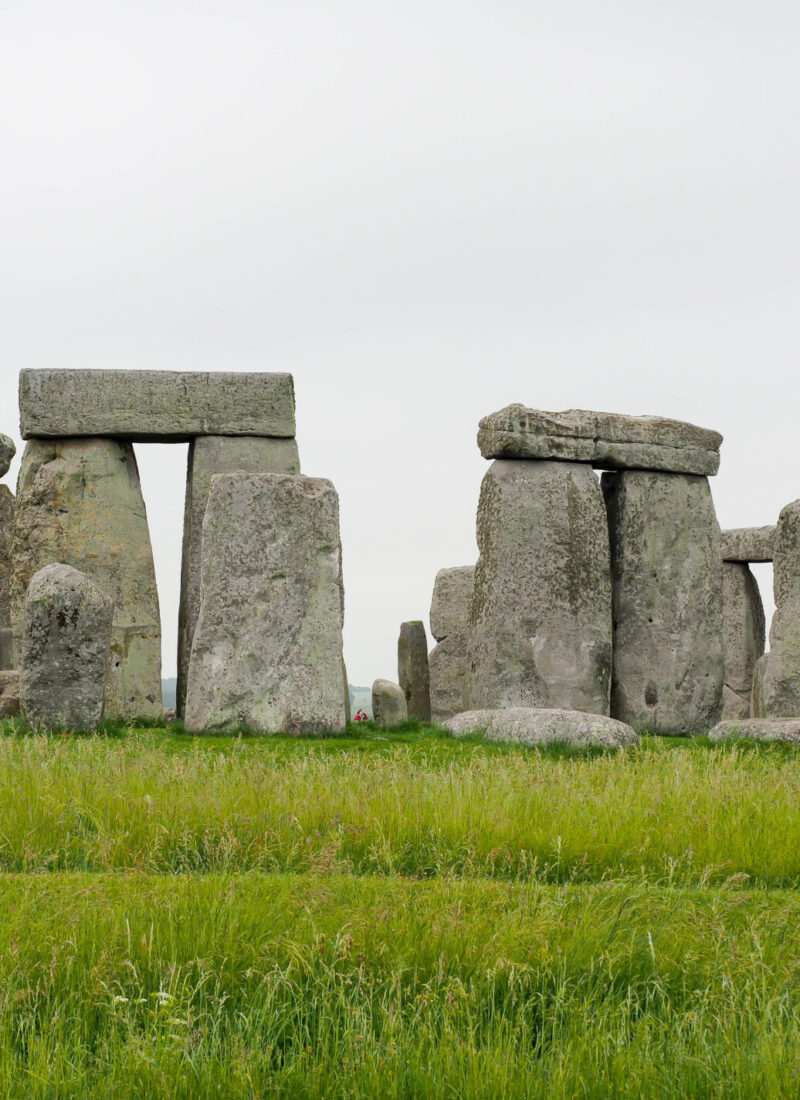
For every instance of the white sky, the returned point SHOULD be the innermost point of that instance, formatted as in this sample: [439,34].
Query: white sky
[424,211]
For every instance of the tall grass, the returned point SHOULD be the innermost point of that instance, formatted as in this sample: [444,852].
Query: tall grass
[658,814]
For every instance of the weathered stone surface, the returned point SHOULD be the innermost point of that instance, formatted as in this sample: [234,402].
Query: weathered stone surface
[413,671]
[6,555]
[9,694]
[757,729]
[210,455]
[448,664]
[744,632]
[154,406]
[452,599]
[748,544]
[776,683]
[535,726]
[541,612]
[669,653]
[66,637]
[267,650]
[609,441]
[79,502]
[388,704]
[7,451]
[7,648]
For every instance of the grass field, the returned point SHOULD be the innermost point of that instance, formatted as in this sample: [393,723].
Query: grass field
[396,915]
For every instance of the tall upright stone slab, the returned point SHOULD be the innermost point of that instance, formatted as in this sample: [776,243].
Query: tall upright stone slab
[79,502]
[210,455]
[540,628]
[267,648]
[667,585]
[743,627]
[450,610]
[64,650]
[776,683]
[7,658]
[412,670]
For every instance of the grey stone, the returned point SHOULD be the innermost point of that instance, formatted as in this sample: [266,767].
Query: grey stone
[154,406]
[669,653]
[267,649]
[7,648]
[757,729]
[609,441]
[744,632]
[448,664]
[79,502]
[541,611]
[388,704]
[452,598]
[348,712]
[776,683]
[9,694]
[66,636]
[412,669]
[6,553]
[7,451]
[537,726]
[210,455]
[748,544]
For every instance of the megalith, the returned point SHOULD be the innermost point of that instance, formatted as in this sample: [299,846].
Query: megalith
[267,647]
[776,683]
[388,704]
[447,662]
[7,451]
[64,649]
[743,629]
[7,659]
[540,624]
[210,455]
[79,502]
[412,670]
[666,565]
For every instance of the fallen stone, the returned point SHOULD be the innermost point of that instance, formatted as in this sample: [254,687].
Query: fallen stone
[388,704]
[79,502]
[669,654]
[609,441]
[776,682]
[7,451]
[66,635]
[210,455]
[267,649]
[748,544]
[9,694]
[541,612]
[534,726]
[154,406]
[757,729]
[413,671]
[744,633]
[452,598]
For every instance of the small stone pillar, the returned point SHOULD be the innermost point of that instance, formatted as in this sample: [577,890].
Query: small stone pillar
[450,609]
[776,683]
[413,671]
[666,566]
[743,627]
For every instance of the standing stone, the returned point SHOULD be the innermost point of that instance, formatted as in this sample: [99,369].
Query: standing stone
[267,649]
[9,693]
[776,684]
[210,455]
[450,608]
[66,635]
[541,608]
[6,572]
[669,654]
[7,451]
[79,502]
[743,627]
[413,671]
[388,704]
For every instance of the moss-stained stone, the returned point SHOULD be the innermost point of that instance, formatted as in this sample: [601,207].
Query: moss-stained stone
[447,662]
[540,624]
[6,570]
[210,455]
[743,626]
[669,654]
[79,502]
[776,684]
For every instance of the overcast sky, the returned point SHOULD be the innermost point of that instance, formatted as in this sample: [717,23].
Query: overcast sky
[424,211]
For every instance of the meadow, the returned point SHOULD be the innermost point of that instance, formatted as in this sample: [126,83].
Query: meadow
[396,915]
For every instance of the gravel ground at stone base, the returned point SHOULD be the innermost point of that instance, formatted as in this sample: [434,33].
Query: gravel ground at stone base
[401,915]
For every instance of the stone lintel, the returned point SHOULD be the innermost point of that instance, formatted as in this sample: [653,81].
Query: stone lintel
[748,544]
